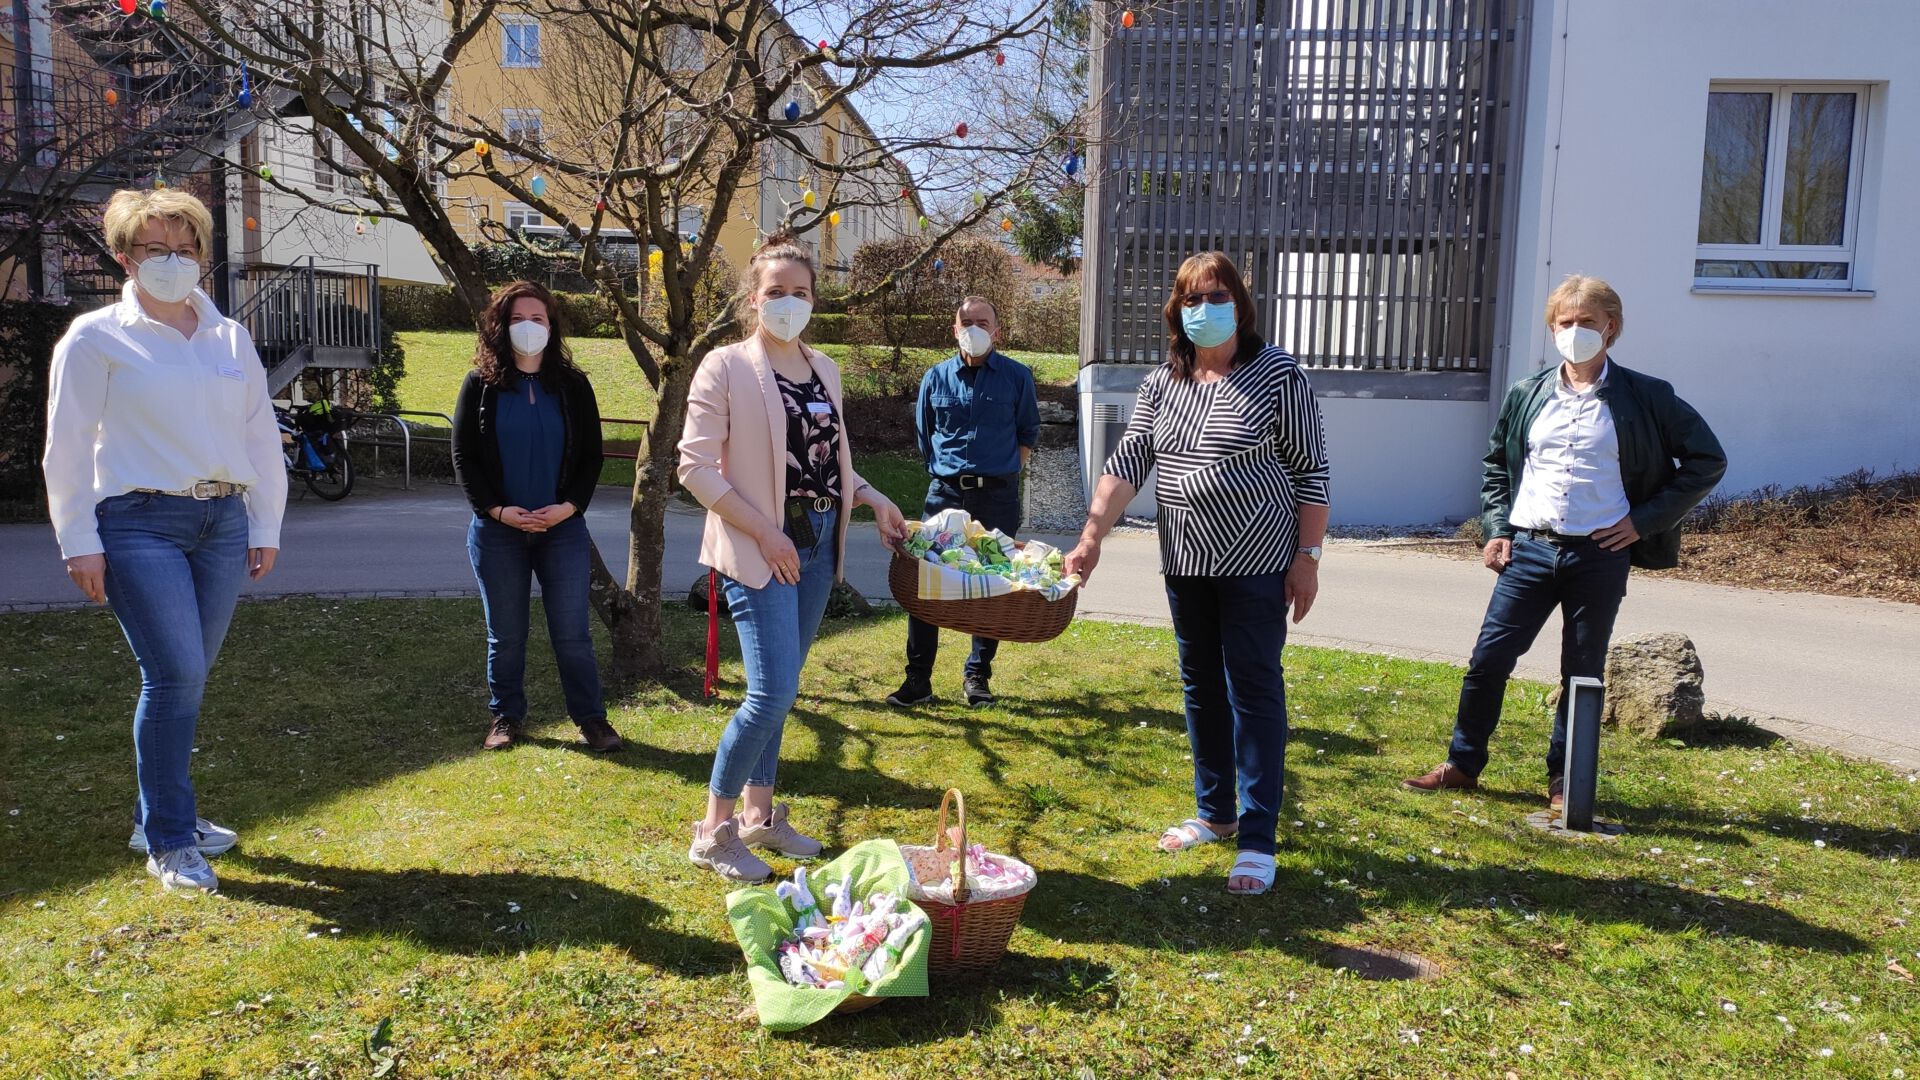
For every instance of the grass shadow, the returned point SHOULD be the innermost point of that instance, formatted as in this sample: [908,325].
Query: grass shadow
[476,914]
[967,1003]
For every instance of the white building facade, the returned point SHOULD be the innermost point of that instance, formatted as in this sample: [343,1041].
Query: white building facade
[1736,171]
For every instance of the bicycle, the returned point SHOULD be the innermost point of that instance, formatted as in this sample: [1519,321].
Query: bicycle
[314,441]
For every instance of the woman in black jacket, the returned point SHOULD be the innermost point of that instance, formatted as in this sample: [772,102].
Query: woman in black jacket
[526,446]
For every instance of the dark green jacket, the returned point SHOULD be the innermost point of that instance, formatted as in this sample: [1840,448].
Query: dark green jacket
[1656,429]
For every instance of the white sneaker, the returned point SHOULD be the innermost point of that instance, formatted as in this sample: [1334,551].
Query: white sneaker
[211,839]
[184,868]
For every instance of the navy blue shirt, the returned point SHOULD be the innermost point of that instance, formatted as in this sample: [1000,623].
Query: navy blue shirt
[975,420]
[532,435]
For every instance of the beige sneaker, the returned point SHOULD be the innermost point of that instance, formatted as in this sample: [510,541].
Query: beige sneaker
[777,834]
[721,851]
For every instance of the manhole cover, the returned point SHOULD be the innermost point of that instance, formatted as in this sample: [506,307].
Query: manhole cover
[1370,963]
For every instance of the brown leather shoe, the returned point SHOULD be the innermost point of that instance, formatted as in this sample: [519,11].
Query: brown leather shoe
[501,734]
[1445,777]
[1556,793]
[600,737]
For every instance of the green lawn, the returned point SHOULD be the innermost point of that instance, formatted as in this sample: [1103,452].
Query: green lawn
[436,362]
[532,913]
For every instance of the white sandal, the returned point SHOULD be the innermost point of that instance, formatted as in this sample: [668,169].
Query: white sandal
[1191,833]
[1254,865]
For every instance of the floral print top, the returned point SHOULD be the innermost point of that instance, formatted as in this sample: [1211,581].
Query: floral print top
[813,439]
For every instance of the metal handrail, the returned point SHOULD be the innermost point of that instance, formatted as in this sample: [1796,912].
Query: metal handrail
[406,446]
[604,453]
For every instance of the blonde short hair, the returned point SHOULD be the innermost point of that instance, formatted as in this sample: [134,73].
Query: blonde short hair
[1590,291]
[129,211]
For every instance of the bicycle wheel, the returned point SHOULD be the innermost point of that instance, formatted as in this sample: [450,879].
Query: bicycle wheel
[334,482]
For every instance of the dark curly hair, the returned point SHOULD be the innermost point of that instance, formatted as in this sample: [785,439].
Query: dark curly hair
[493,357]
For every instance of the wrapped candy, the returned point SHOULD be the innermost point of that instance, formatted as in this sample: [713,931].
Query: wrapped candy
[867,936]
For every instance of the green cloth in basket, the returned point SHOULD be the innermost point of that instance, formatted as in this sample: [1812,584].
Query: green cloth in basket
[761,921]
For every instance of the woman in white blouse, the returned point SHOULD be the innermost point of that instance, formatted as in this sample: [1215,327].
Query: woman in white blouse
[166,485]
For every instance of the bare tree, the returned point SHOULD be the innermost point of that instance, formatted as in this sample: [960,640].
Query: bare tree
[667,105]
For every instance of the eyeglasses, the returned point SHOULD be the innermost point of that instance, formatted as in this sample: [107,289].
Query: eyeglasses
[1217,296]
[160,251]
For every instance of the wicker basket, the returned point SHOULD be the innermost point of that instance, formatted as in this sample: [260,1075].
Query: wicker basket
[855,1003]
[1023,616]
[967,936]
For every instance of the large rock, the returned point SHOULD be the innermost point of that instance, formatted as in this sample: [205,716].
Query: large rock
[1654,684]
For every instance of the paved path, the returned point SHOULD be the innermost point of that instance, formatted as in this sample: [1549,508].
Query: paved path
[1830,670]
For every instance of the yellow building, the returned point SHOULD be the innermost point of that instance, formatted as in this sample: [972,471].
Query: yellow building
[531,79]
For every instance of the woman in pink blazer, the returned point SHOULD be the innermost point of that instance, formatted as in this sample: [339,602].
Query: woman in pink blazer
[765,451]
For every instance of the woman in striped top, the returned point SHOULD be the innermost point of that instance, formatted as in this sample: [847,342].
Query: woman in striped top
[1230,428]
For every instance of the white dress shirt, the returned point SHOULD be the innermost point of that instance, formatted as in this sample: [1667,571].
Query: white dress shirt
[1571,483]
[134,404]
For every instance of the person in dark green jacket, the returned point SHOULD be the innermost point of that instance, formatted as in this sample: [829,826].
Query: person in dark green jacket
[1590,470]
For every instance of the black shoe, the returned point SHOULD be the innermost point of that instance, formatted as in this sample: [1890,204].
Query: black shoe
[978,692]
[600,737]
[916,690]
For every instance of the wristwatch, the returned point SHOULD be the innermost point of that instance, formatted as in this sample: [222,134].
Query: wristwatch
[1311,552]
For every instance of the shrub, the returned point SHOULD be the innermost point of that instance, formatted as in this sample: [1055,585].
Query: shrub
[408,308]
[1048,323]
[28,332]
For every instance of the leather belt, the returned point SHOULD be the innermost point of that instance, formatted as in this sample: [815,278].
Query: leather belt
[202,490]
[1551,537]
[972,482]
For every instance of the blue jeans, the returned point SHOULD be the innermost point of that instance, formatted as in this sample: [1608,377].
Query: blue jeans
[1587,582]
[174,570]
[505,561]
[776,625]
[1230,631]
[996,508]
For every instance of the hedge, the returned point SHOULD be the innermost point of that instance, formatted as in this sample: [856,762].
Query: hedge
[439,307]
[28,332]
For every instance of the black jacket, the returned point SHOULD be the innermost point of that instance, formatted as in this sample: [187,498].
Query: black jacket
[1655,429]
[476,446]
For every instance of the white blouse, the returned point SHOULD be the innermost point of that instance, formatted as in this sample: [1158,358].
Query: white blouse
[134,404]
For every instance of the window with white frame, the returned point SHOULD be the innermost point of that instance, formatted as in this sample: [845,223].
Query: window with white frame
[1780,186]
[519,43]
[688,221]
[521,216]
[522,127]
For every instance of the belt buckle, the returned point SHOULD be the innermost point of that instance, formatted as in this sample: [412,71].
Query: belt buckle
[822,504]
[205,489]
[976,482]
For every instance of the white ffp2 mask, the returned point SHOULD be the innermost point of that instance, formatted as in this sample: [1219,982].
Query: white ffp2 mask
[975,341]
[1579,344]
[529,338]
[169,278]
[785,316]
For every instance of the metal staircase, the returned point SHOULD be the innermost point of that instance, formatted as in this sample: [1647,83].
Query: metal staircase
[308,316]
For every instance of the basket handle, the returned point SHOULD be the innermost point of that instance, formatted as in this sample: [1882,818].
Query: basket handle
[940,841]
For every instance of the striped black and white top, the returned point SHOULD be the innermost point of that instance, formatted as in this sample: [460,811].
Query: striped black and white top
[1233,461]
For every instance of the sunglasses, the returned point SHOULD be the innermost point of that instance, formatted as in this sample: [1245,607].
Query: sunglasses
[1217,296]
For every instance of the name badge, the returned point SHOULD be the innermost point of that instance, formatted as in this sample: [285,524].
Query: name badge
[228,371]
[819,407]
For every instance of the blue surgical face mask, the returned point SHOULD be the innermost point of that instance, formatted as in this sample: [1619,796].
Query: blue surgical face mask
[1208,325]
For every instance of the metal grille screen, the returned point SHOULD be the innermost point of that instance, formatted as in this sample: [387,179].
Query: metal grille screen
[1345,153]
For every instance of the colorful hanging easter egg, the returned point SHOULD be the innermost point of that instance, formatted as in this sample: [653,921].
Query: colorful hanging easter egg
[266,172]
[979,198]
[359,227]
[999,59]
[128,7]
[538,186]
[906,193]
[693,238]
[923,222]
[1006,224]
[1073,164]
[252,224]
[157,9]
[1126,20]
[807,198]
[600,205]
[939,265]
[793,110]
[960,130]
[823,45]
[159,183]
[113,96]
[834,218]
[246,98]
[481,148]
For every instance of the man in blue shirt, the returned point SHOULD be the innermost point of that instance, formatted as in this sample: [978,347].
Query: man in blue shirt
[978,421]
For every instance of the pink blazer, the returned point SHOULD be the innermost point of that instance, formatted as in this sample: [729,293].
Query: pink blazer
[735,439]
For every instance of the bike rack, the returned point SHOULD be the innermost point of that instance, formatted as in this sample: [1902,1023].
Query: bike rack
[406,447]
